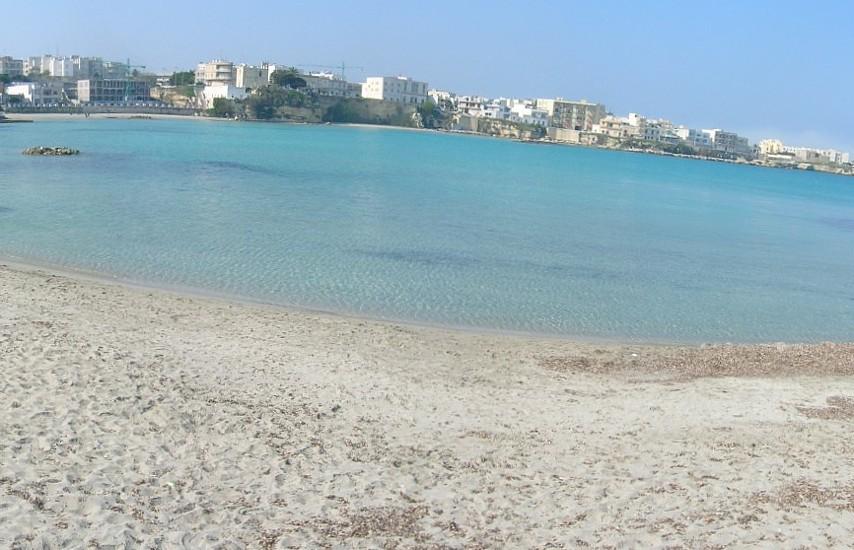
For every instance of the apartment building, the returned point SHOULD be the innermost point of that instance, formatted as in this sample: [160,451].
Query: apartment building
[37,93]
[10,66]
[217,71]
[572,115]
[399,89]
[616,127]
[329,85]
[728,142]
[112,91]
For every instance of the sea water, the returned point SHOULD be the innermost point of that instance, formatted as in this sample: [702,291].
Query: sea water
[442,229]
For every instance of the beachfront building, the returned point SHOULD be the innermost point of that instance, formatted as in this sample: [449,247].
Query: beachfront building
[11,67]
[728,142]
[770,147]
[214,72]
[526,112]
[470,105]
[400,89]
[36,93]
[221,91]
[833,156]
[693,137]
[572,115]
[496,109]
[812,155]
[112,91]
[330,85]
[616,127]
[250,76]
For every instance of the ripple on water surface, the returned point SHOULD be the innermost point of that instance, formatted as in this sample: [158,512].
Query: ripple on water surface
[441,228]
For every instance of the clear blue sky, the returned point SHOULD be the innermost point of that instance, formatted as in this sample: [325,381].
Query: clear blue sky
[765,68]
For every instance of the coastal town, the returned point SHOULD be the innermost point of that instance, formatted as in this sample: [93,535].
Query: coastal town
[270,91]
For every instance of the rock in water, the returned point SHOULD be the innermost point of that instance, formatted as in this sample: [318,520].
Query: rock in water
[51,151]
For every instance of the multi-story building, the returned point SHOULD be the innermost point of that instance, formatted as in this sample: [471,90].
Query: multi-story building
[221,91]
[770,147]
[616,127]
[59,67]
[809,154]
[834,157]
[573,115]
[693,137]
[327,84]
[112,91]
[399,89]
[88,67]
[525,112]
[37,93]
[728,142]
[11,67]
[115,70]
[251,76]
[470,105]
[217,71]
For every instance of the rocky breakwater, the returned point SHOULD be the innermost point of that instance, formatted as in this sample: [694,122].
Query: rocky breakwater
[51,151]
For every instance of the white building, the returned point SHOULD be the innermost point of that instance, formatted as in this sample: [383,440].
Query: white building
[226,91]
[441,96]
[399,89]
[470,105]
[697,139]
[526,112]
[37,93]
[834,157]
[217,71]
[61,67]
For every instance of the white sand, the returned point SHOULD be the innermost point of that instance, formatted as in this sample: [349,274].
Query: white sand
[142,419]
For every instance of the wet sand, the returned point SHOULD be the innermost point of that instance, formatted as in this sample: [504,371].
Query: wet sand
[146,418]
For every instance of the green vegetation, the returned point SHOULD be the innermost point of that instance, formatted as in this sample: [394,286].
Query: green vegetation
[182,78]
[288,78]
[431,115]
[224,108]
[265,102]
[5,79]
[186,91]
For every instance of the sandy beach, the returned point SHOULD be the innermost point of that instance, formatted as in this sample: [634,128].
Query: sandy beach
[146,419]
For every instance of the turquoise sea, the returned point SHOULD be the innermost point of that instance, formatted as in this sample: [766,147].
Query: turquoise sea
[441,229]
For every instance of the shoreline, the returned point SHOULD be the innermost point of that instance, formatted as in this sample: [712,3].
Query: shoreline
[35,117]
[80,276]
[140,418]
[32,266]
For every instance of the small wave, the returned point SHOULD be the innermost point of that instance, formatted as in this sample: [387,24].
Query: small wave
[237,166]
[845,224]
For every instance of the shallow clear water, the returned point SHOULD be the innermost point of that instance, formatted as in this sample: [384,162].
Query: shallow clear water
[436,228]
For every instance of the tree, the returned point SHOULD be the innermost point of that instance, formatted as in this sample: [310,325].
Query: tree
[5,79]
[223,107]
[182,78]
[288,78]
[264,103]
[427,110]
